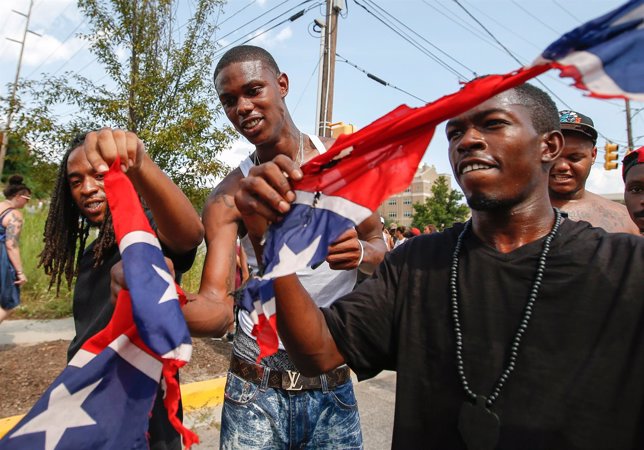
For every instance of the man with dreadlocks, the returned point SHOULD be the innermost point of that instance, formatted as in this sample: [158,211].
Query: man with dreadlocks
[78,203]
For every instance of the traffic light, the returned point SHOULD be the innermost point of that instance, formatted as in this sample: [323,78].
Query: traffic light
[339,128]
[610,156]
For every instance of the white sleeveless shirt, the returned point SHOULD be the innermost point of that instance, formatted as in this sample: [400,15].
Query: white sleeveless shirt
[323,284]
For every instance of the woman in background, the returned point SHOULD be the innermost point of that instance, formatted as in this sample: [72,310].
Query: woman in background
[12,275]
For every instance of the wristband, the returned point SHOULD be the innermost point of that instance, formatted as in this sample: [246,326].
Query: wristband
[19,272]
[361,252]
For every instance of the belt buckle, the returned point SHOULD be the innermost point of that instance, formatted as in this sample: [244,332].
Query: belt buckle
[292,380]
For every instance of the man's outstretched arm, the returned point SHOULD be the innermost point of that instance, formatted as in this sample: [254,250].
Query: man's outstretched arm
[303,329]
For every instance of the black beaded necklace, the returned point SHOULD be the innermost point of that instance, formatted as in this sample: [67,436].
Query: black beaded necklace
[478,424]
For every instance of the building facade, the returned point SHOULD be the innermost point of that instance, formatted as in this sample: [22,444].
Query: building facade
[398,208]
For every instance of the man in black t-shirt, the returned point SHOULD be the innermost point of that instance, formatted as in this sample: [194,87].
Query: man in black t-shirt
[518,330]
[78,203]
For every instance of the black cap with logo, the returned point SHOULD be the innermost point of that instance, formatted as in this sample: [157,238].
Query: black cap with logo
[574,121]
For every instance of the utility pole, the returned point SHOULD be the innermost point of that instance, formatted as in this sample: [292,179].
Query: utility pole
[629,128]
[333,7]
[12,99]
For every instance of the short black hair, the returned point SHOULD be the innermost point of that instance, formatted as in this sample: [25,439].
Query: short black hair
[543,111]
[243,53]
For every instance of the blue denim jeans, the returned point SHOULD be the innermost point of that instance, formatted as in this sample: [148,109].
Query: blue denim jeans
[258,417]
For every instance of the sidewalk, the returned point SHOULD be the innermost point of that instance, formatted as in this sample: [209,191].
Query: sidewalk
[35,331]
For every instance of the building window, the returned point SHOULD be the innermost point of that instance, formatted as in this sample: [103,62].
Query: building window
[392,202]
[407,201]
[407,214]
[392,215]
[408,189]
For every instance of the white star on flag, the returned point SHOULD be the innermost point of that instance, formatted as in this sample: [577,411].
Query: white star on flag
[171,292]
[288,259]
[61,403]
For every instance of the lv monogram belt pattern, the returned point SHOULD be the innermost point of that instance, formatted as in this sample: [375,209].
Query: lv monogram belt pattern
[289,380]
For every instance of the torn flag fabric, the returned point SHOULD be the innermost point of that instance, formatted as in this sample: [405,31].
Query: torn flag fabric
[103,398]
[346,184]
[604,56]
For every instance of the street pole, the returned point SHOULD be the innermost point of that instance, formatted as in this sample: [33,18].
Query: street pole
[12,99]
[333,8]
[629,128]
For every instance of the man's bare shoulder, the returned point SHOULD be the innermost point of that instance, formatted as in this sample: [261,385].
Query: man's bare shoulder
[220,204]
[600,212]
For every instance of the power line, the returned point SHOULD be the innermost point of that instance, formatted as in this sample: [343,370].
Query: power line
[566,11]
[502,25]
[510,52]
[423,38]
[56,50]
[292,18]
[461,23]
[415,44]
[376,78]
[315,69]
[557,33]
[517,60]
[237,12]
[262,15]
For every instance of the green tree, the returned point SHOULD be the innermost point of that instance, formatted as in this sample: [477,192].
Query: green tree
[442,209]
[38,174]
[157,83]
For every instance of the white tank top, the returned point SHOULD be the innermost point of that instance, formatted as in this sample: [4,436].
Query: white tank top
[324,284]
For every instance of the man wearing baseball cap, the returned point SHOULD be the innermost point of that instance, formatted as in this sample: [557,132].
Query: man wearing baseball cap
[633,174]
[567,183]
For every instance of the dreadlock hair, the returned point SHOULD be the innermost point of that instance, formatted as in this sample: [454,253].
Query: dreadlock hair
[66,228]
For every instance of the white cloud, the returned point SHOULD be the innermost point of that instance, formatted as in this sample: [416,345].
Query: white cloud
[239,150]
[270,39]
[54,20]
[284,34]
[603,181]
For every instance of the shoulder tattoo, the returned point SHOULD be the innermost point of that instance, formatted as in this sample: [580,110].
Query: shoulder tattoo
[13,229]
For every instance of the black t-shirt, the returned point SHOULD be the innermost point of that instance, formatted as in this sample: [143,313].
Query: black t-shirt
[579,377]
[93,310]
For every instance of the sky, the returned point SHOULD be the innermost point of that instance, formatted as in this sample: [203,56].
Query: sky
[434,46]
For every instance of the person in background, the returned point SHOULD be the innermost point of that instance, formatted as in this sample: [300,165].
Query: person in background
[400,235]
[78,203]
[389,241]
[568,177]
[429,229]
[12,273]
[633,174]
[392,232]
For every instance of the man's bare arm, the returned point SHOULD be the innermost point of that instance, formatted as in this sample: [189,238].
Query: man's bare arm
[303,329]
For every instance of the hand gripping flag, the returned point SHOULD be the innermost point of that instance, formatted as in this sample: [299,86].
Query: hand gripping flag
[103,398]
[346,184]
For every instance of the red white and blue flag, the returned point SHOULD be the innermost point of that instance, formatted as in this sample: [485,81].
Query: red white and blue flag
[604,56]
[346,184]
[103,398]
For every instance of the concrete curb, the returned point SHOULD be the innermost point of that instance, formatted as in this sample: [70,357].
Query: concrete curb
[200,394]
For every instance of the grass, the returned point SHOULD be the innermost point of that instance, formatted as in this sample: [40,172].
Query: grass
[37,300]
